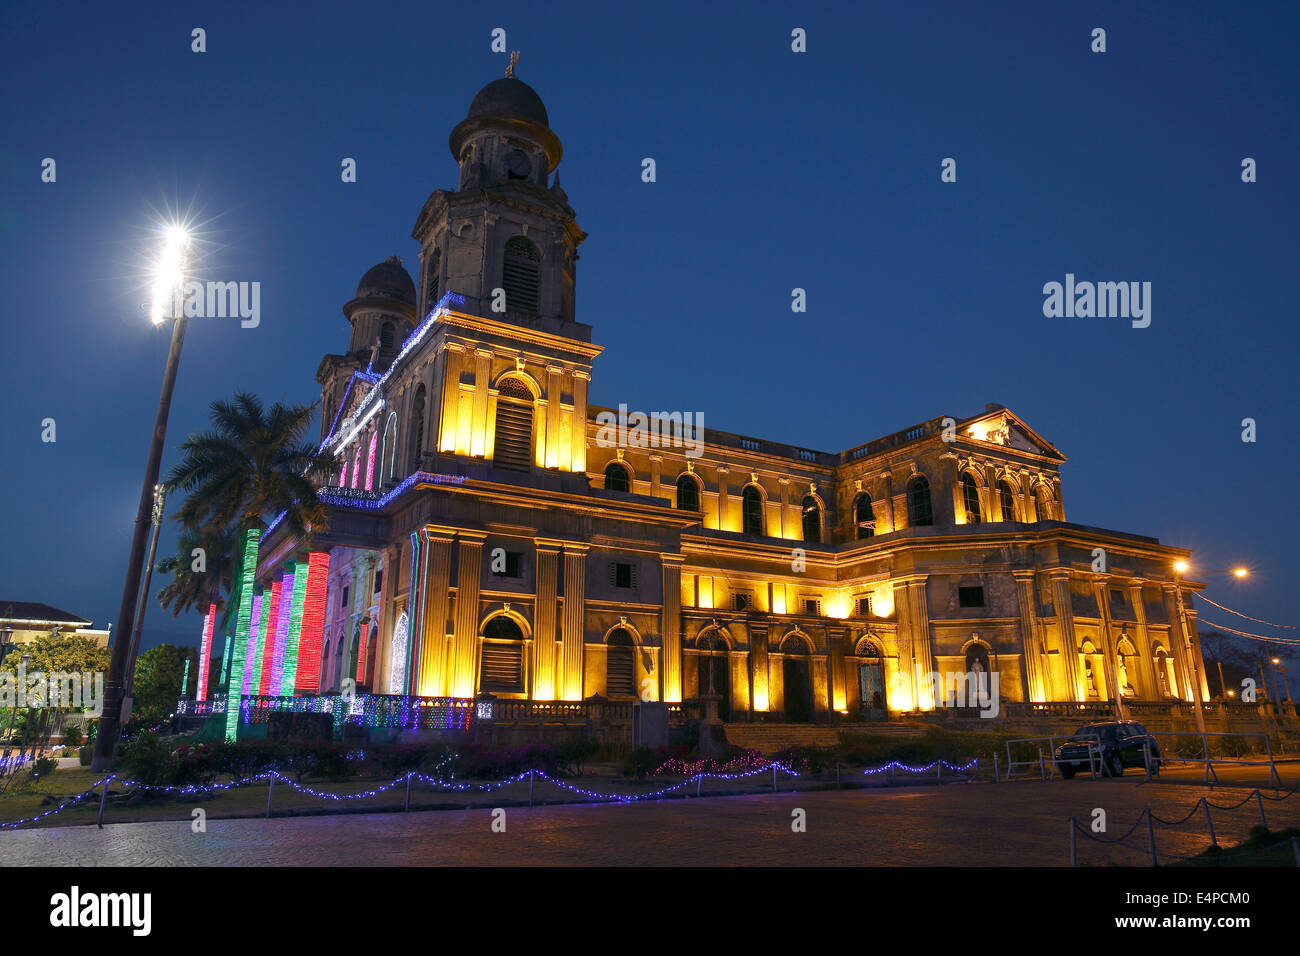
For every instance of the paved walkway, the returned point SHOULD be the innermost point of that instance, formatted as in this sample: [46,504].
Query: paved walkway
[1017,824]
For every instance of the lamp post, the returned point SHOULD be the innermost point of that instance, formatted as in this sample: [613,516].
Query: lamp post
[159,506]
[168,292]
[1194,674]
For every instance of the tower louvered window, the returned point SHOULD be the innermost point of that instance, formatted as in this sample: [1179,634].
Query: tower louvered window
[514,426]
[519,275]
[620,667]
[501,667]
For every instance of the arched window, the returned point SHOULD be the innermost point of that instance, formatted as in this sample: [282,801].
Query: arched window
[1008,501]
[812,520]
[501,670]
[386,335]
[417,427]
[688,494]
[513,442]
[977,665]
[388,453]
[918,502]
[970,494]
[620,665]
[864,518]
[617,478]
[397,657]
[1043,497]
[519,272]
[751,511]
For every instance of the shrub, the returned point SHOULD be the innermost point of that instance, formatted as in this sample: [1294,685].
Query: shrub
[85,755]
[641,762]
[149,760]
[43,767]
[72,736]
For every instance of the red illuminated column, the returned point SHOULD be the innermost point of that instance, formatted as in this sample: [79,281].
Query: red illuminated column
[268,646]
[313,624]
[205,649]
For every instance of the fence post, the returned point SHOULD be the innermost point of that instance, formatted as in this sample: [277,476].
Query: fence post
[1073,851]
[103,798]
[532,779]
[1205,745]
[1042,771]
[1209,824]
[774,778]
[410,774]
[995,767]
[1146,758]
[1151,838]
[1272,767]
[1259,799]
[837,775]
[270,789]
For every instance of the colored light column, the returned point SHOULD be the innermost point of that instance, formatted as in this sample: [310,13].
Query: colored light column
[282,630]
[370,462]
[205,651]
[268,640]
[242,624]
[313,623]
[290,675]
[250,651]
[185,678]
[361,651]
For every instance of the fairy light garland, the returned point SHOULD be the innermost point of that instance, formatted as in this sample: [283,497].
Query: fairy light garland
[240,637]
[1257,620]
[1288,641]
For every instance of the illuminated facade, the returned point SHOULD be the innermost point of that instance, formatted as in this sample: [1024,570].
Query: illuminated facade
[489,535]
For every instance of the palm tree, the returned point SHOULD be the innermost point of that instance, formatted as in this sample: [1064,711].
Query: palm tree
[251,464]
[192,590]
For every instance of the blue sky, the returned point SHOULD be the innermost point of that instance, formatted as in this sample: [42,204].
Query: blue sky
[775,170]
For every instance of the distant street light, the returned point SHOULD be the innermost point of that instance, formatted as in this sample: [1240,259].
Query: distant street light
[168,291]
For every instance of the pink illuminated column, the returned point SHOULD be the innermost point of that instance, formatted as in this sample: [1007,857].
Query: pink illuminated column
[268,641]
[370,462]
[282,632]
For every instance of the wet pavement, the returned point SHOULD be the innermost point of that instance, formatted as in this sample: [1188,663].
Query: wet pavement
[979,824]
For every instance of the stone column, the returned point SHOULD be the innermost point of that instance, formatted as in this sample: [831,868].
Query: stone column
[1108,648]
[1036,682]
[723,471]
[906,646]
[482,380]
[452,358]
[1065,623]
[1177,639]
[670,628]
[761,696]
[431,665]
[1150,680]
[553,389]
[575,589]
[837,691]
[578,441]
[1198,662]
[463,680]
[786,531]
[656,463]
[922,654]
[548,562]
[1029,502]
[954,506]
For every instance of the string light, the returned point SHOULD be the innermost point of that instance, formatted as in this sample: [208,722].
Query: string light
[1257,637]
[290,675]
[1289,627]
[313,623]
[268,640]
[205,652]
[240,638]
[282,629]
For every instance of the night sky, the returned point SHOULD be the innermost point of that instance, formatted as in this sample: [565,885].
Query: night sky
[775,170]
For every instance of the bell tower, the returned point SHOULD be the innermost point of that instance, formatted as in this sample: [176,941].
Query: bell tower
[506,239]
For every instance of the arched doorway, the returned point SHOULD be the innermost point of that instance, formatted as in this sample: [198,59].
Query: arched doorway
[714,671]
[501,665]
[871,681]
[796,673]
[620,664]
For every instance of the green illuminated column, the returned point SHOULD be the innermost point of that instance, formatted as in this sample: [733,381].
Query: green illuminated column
[236,686]
[290,673]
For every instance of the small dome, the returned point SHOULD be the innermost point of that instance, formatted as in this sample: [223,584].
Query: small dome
[509,96]
[388,280]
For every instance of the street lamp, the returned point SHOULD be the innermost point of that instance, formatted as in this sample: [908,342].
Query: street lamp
[1179,568]
[168,291]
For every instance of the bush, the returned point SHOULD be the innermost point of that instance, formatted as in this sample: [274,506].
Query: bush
[43,767]
[149,760]
[85,754]
[641,762]
[72,737]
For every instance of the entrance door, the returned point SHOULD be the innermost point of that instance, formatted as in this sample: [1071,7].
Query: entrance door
[871,687]
[798,690]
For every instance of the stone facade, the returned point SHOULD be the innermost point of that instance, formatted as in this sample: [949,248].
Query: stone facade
[488,533]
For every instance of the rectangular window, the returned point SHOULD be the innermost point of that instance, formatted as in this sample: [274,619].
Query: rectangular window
[379,580]
[345,599]
[864,606]
[622,575]
[812,606]
[970,597]
[743,600]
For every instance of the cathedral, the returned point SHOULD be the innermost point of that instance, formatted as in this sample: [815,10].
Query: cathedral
[491,533]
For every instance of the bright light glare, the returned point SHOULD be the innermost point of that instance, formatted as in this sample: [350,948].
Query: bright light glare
[169,272]
[1240,572]
[1180,566]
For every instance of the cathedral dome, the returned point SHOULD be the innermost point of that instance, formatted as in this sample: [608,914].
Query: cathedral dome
[388,280]
[509,96]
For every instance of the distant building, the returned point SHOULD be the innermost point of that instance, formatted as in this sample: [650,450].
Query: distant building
[492,531]
[22,622]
